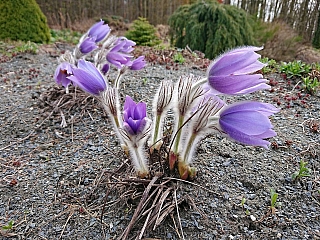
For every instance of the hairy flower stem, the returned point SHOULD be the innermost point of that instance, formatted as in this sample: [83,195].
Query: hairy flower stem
[177,140]
[119,76]
[140,162]
[116,121]
[189,147]
[185,171]
[156,129]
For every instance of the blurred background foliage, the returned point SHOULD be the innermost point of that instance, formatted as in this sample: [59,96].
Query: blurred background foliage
[211,27]
[286,28]
[23,20]
[143,33]
[301,15]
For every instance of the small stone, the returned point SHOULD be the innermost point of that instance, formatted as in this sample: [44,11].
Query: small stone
[253,218]
[226,164]
[251,196]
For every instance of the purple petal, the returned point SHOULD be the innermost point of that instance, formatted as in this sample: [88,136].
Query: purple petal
[99,31]
[264,108]
[126,44]
[251,68]
[229,73]
[88,45]
[251,123]
[248,123]
[127,127]
[134,124]
[62,72]
[89,67]
[118,46]
[134,116]
[248,140]
[117,59]
[87,82]
[231,63]
[140,111]
[231,57]
[129,103]
[138,63]
[268,134]
[233,84]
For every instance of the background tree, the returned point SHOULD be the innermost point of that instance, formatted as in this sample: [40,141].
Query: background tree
[210,27]
[301,15]
[316,39]
[23,20]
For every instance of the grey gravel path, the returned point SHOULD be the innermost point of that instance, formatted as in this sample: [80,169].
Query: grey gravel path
[49,174]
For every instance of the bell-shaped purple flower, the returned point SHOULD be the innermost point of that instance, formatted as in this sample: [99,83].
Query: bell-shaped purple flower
[63,71]
[248,123]
[119,54]
[88,45]
[99,31]
[137,64]
[134,116]
[88,78]
[231,73]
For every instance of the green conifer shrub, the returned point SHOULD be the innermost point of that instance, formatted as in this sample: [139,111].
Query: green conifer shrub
[211,27]
[143,33]
[23,20]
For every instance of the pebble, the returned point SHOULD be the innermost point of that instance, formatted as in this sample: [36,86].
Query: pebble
[253,218]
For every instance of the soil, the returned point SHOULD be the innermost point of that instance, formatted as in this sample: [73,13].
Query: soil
[63,174]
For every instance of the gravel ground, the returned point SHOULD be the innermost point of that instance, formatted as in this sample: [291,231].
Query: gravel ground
[70,182]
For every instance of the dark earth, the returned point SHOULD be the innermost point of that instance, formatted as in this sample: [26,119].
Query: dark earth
[63,174]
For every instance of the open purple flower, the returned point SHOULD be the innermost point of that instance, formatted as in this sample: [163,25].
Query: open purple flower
[119,54]
[127,44]
[88,78]
[99,31]
[134,116]
[137,64]
[88,45]
[63,71]
[231,73]
[248,123]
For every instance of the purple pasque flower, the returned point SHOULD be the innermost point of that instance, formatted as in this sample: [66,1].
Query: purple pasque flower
[248,123]
[88,78]
[88,45]
[134,116]
[119,54]
[63,71]
[127,46]
[137,64]
[231,73]
[99,31]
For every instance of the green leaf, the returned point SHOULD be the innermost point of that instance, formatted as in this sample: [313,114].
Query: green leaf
[8,226]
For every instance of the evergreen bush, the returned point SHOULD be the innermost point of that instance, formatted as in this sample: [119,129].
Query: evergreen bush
[23,20]
[143,33]
[211,27]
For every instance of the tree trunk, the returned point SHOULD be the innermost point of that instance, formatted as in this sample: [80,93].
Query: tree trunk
[316,38]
